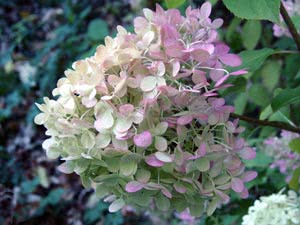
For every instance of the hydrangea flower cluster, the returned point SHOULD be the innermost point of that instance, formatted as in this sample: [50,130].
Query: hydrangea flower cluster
[141,121]
[293,9]
[284,159]
[274,209]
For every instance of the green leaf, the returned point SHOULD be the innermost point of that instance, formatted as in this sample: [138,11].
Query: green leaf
[266,113]
[295,145]
[270,74]
[259,94]
[253,59]
[294,182]
[239,85]
[53,197]
[29,186]
[285,97]
[255,9]
[240,103]
[234,24]
[174,3]
[251,33]
[97,30]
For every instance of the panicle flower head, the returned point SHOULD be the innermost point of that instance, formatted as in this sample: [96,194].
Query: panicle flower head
[141,120]
[274,209]
[293,9]
[284,159]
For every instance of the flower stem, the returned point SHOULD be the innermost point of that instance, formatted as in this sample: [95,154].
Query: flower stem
[276,124]
[287,19]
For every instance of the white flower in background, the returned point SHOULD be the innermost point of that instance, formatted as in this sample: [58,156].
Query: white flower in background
[26,73]
[279,209]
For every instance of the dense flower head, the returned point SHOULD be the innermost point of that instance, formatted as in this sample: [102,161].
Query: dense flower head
[284,159]
[141,120]
[293,9]
[274,209]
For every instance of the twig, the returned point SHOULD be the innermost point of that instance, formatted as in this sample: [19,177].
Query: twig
[287,19]
[276,124]
[286,52]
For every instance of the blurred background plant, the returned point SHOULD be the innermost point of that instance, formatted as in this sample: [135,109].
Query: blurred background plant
[40,39]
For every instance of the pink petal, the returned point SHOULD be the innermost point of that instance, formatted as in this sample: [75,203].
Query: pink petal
[222,80]
[183,120]
[179,188]
[205,10]
[237,185]
[166,192]
[209,94]
[231,60]
[244,194]
[225,197]
[247,153]
[210,48]
[202,150]
[199,77]
[200,55]
[239,72]
[217,23]
[175,68]
[218,102]
[126,109]
[133,186]
[215,75]
[143,139]
[151,160]
[221,49]
[249,175]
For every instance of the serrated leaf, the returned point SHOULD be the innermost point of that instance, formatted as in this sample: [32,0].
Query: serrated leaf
[285,97]
[251,33]
[295,145]
[253,59]
[97,30]
[255,9]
